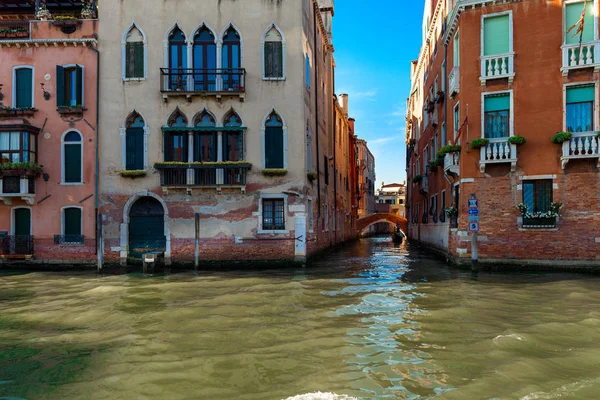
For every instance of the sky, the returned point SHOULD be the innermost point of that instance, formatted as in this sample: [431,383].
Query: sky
[374,45]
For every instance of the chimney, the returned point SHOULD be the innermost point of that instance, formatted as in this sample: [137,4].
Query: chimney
[351,124]
[344,103]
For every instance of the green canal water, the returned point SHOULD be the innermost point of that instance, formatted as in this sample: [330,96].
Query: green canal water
[371,321]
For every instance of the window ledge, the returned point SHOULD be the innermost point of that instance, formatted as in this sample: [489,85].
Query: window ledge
[535,229]
[273,79]
[272,232]
[133,79]
[72,183]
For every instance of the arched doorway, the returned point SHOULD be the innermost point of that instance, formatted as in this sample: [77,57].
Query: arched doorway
[146,227]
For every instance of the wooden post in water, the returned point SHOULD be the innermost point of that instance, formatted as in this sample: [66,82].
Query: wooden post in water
[197,244]
[99,242]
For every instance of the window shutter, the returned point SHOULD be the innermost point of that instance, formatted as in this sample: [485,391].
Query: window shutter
[580,94]
[129,59]
[573,14]
[138,57]
[24,88]
[496,35]
[134,151]
[72,221]
[72,163]
[278,59]
[79,82]
[60,86]
[497,103]
[268,59]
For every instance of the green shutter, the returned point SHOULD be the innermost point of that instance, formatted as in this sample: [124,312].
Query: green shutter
[72,221]
[269,59]
[24,88]
[273,148]
[129,58]
[278,59]
[138,57]
[496,35]
[60,86]
[72,163]
[22,221]
[497,103]
[79,83]
[573,14]
[134,147]
[580,94]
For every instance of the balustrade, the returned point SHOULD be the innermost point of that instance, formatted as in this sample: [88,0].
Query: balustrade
[454,80]
[581,56]
[498,150]
[497,66]
[581,145]
[452,163]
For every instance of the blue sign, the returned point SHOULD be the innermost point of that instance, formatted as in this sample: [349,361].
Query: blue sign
[474,212]
[473,218]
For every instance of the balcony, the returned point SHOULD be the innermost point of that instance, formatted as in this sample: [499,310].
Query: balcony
[14,30]
[580,146]
[498,151]
[208,175]
[585,56]
[69,240]
[16,247]
[454,81]
[203,82]
[497,66]
[452,163]
[17,187]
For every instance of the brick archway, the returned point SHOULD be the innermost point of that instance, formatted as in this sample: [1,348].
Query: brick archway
[369,220]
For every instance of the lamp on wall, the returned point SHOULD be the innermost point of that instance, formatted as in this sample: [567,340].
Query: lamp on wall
[46,93]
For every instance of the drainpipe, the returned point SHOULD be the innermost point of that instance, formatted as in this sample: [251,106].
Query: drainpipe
[446,97]
[99,249]
[316,91]
[335,173]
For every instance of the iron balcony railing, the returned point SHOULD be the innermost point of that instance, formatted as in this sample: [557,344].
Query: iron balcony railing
[16,185]
[14,29]
[203,176]
[192,80]
[16,246]
[69,239]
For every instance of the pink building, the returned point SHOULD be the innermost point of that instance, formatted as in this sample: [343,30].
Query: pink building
[48,132]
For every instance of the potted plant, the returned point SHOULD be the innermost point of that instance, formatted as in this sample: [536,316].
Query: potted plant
[137,173]
[440,96]
[274,172]
[452,213]
[312,176]
[540,219]
[42,13]
[561,137]
[517,140]
[87,11]
[20,169]
[75,109]
[479,142]
[21,32]
[417,179]
[431,106]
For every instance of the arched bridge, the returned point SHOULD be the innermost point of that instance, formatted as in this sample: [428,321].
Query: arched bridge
[369,220]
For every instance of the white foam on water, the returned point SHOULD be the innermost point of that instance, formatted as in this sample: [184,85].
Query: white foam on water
[565,390]
[321,396]
[513,336]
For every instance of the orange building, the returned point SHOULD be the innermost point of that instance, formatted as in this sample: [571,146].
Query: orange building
[48,137]
[519,94]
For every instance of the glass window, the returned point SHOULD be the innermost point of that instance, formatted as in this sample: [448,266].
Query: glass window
[274,152]
[205,60]
[573,13]
[580,108]
[17,147]
[497,116]
[456,119]
[537,195]
[177,60]
[134,143]
[70,86]
[307,71]
[273,214]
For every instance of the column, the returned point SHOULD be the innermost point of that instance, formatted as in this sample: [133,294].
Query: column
[220,175]
[190,171]
[219,83]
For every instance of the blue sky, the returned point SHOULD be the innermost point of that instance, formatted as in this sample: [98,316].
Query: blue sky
[374,44]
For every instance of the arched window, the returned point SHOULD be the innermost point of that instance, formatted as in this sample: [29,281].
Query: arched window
[274,152]
[134,142]
[233,140]
[177,60]
[231,59]
[176,144]
[71,226]
[72,166]
[205,141]
[134,54]
[205,60]
[273,54]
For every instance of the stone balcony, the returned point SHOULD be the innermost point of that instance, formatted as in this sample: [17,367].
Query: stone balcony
[452,163]
[584,145]
[454,81]
[575,56]
[498,151]
[497,66]
[12,187]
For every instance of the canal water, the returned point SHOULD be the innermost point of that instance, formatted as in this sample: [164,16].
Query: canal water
[372,321]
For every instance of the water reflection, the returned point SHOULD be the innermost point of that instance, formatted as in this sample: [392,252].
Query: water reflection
[371,320]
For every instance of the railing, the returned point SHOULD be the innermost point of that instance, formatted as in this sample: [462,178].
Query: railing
[539,223]
[16,185]
[581,145]
[202,176]
[576,56]
[452,163]
[14,30]
[497,66]
[454,81]
[189,80]
[69,239]
[498,150]
[16,246]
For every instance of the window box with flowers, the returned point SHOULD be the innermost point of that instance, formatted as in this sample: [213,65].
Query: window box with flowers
[540,219]
[70,110]
[15,112]
[452,213]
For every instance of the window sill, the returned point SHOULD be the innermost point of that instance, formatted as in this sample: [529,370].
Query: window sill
[133,79]
[272,232]
[273,79]
[72,183]
[536,229]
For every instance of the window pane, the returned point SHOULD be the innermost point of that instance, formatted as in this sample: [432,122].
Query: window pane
[15,141]
[496,124]
[580,117]
[573,14]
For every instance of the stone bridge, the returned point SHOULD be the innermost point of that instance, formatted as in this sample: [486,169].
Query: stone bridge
[369,220]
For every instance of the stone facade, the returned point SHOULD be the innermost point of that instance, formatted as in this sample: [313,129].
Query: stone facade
[464,89]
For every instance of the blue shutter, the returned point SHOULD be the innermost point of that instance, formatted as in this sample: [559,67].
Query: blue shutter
[24,87]
[497,103]
[580,94]
[79,84]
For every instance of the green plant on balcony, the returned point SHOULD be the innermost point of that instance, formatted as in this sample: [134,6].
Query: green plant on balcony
[451,211]
[20,169]
[447,149]
[479,142]
[312,176]
[561,137]
[517,140]
[274,172]
[135,173]
[66,18]
[598,134]
[417,179]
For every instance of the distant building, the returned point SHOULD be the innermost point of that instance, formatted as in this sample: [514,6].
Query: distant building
[393,194]
[366,180]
